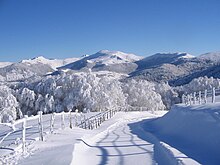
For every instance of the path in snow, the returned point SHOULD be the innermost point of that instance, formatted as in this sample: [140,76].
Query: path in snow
[116,145]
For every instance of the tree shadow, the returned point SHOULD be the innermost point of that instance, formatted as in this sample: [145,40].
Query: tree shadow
[115,144]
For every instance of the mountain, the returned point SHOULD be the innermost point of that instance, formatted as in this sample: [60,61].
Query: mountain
[53,63]
[172,67]
[4,64]
[20,71]
[212,56]
[106,60]
[161,58]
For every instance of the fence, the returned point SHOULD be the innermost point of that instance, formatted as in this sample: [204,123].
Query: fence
[36,127]
[201,97]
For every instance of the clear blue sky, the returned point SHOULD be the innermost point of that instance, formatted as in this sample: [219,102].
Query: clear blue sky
[68,28]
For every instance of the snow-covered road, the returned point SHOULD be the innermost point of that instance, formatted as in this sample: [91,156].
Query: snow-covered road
[116,145]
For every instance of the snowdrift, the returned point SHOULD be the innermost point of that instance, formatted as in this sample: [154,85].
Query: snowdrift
[193,130]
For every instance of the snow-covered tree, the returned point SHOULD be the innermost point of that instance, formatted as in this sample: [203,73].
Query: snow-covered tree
[9,107]
[141,93]
[169,96]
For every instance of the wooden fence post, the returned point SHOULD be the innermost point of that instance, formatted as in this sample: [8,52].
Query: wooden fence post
[200,97]
[52,122]
[40,125]
[213,94]
[190,99]
[107,115]
[205,96]
[24,134]
[183,98]
[96,123]
[76,122]
[89,124]
[62,120]
[194,97]
[70,117]
[84,118]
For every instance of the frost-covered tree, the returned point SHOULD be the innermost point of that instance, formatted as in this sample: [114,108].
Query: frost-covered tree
[200,84]
[141,93]
[9,107]
[26,99]
[169,96]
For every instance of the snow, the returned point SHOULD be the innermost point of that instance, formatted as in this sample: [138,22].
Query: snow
[4,64]
[69,141]
[185,135]
[213,56]
[10,147]
[187,56]
[114,143]
[103,57]
[193,130]
[53,63]
[111,57]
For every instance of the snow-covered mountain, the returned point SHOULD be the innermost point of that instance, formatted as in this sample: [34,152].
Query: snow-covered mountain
[20,71]
[212,56]
[53,63]
[161,58]
[112,57]
[102,60]
[4,64]
[176,68]
[170,67]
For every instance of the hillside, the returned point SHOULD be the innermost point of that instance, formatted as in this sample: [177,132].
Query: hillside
[106,60]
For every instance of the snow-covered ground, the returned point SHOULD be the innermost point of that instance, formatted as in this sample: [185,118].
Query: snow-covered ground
[193,130]
[11,134]
[185,135]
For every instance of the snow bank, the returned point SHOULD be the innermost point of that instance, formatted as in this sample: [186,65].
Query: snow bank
[193,130]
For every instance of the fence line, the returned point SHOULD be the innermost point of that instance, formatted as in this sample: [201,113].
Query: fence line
[81,121]
[200,97]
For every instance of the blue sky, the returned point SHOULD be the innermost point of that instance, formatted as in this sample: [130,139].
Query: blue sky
[71,28]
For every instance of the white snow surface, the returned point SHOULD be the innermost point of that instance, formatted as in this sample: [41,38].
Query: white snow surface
[112,57]
[187,56]
[120,140]
[53,63]
[185,135]
[70,143]
[193,130]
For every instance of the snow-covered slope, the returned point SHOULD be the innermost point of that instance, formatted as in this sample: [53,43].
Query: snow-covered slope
[53,63]
[171,67]
[194,130]
[19,71]
[112,57]
[213,56]
[161,58]
[103,58]
[4,64]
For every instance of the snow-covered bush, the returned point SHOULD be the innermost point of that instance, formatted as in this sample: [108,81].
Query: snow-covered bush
[9,106]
